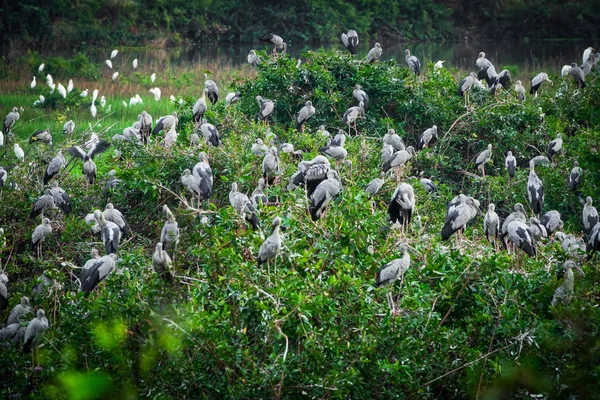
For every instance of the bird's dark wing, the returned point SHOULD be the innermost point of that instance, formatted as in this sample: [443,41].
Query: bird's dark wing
[100,147]
[77,152]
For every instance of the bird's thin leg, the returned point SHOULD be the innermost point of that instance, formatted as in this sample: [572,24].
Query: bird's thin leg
[483,171]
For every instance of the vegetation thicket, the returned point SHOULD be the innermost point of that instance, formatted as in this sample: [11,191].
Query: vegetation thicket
[60,23]
[471,322]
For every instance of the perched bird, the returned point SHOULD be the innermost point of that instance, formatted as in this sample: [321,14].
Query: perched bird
[34,332]
[109,232]
[503,79]
[352,114]
[312,173]
[38,235]
[398,159]
[593,241]
[459,216]
[438,65]
[586,54]
[393,139]
[511,164]
[589,215]
[537,230]
[402,205]
[43,203]
[551,221]
[482,63]
[134,64]
[166,123]
[304,115]
[564,292]
[426,137]
[242,206]
[145,126]
[323,194]
[338,153]
[361,95]
[373,187]
[61,198]
[537,81]
[108,63]
[575,176]
[517,214]
[428,185]
[267,107]
[161,261]
[170,138]
[253,58]
[491,224]
[566,70]
[540,160]
[210,134]
[10,120]
[554,146]
[350,41]
[112,214]
[578,75]
[483,158]
[520,90]
[466,84]
[259,148]
[169,235]
[97,272]
[19,311]
[213,90]
[275,40]
[258,197]
[271,247]
[232,97]
[393,270]
[413,63]
[54,167]
[33,83]
[69,127]
[89,167]
[270,165]
[375,53]
[203,172]
[19,153]
[3,291]
[191,183]
[94,256]
[518,233]
[535,190]
[3,178]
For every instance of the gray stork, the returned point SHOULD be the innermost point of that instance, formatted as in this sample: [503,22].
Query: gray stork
[204,175]
[259,148]
[386,152]
[3,178]
[578,75]
[161,262]
[213,90]
[13,333]
[270,165]
[520,90]
[19,311]
[43,203]
[593,242]
[413,63]
[537,81]
[61,198]
[311,173]
[145,126]
[393,139]
[540,160]
[109,232]
[537,230]
[510,162]
[575,177]
[519,235]
[56,164]
[397,160]
[253,58]
[10,120]
[169,234]
[258,197]
[375,53]
[393,270]
[89,167]
[97,272]
[33,336]
[200,107]
[350,41]
[564,292]
[555,146]
[112,214]
[166,123]
[551,221]
[232,98]
[41,136]
[569,243]
[489,74]
[94,256]
[335,149]
[428,185]
[288,148]
[111,182]
[275,40]
[589,215]
[304,115]
[483,158]
[482,63]
[323,194]
[271,247]
[361,95]
[517,214]
[402,205]
[503,79]
[323,132]
[535,190]
[191,183]
[465,86]
[242,206]
[210,134]
[3,290]
[491,224]
[352,114]
[458,217]
[426,137]
[266,106]
[375,185]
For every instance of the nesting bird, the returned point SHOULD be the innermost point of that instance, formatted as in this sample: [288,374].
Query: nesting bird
[54,167]
[266,108]
[161,262]
[38,235]
[350,41]
[552,221]
[242,206]
[97,272]
[589,215]
[426,137]
[375,53]
[204,175]
[413,63]
[535,190]
[575,177]
[169,235]
[564,292]
[555,146]
[393,270]
[271,247]
[323,194]
[483,158]
[253,58]
[491,224]
[109,232]
[304,115]
[402,205]
[41,136]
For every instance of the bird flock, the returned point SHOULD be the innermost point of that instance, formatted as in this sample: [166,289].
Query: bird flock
[320,177]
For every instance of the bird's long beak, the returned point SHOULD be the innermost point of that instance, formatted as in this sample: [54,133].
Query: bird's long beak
[551,83]
[415,251]
[579,270]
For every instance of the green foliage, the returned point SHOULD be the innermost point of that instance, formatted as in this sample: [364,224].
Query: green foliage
[315,325]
